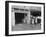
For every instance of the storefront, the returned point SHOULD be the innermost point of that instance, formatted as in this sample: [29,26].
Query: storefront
[24,15]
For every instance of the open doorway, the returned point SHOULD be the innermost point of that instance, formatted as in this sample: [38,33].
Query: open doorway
[20,17]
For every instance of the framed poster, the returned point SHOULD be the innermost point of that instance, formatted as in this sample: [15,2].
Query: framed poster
[24,18]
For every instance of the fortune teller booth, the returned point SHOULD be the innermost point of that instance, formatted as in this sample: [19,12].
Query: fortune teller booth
[26,15]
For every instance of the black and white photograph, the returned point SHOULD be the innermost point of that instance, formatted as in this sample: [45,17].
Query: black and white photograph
[25,18]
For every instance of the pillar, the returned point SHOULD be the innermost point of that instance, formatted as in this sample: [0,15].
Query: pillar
[13,16]
[28,20]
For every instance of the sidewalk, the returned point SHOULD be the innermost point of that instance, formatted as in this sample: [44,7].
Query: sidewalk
[22,27]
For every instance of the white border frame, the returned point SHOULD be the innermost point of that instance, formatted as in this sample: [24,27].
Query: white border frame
[28,31]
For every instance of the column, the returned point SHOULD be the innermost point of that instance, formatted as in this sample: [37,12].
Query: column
[28,21]
[13,16]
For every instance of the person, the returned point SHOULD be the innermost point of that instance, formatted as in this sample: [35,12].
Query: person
[25,19]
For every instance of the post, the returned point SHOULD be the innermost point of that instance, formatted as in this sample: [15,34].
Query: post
[13,16]
[28,21]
